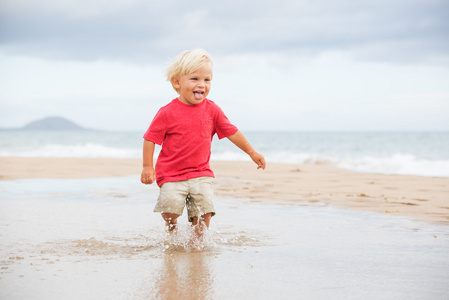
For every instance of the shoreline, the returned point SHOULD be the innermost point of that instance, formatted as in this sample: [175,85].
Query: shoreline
[422,198]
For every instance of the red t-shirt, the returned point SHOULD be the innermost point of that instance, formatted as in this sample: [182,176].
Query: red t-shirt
[185,133]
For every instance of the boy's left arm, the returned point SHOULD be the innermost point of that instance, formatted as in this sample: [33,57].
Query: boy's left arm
[240,141]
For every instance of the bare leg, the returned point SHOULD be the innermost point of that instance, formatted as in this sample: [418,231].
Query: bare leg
[201,224]
[171,221]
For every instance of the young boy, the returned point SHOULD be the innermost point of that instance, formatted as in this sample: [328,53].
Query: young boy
[185,128]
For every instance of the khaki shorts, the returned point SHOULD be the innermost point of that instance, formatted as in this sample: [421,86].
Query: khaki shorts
[195,193]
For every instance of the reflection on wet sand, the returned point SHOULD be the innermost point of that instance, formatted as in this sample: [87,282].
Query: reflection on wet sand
[185,276]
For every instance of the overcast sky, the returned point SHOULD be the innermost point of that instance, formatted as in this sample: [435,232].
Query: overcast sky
[278,65]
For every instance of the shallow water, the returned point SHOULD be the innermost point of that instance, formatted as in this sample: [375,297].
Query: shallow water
[99,239]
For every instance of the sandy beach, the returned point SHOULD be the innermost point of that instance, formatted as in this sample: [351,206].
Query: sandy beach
[423,198]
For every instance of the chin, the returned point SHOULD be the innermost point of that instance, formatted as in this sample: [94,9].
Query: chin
[197,101]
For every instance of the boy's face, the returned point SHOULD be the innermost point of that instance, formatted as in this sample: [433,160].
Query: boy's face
[194,87]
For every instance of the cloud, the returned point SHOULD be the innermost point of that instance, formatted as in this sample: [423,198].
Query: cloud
[296,65]
[147,31]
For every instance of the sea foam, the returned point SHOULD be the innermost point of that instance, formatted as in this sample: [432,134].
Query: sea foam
[84,150]
[399,163]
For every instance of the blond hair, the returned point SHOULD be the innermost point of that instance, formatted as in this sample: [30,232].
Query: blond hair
[187,62]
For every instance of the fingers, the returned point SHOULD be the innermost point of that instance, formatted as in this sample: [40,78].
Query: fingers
[261,164]
[259,160]
[147,179]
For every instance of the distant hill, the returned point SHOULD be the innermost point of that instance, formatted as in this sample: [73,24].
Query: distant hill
[52,123]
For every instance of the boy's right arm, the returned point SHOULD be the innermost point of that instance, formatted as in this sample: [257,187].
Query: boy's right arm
[148,174]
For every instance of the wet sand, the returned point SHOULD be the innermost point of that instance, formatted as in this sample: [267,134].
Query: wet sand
[97,238]
[423,198]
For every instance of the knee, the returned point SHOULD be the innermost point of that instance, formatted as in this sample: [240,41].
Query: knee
[206,217]
[169,217]
[202,219]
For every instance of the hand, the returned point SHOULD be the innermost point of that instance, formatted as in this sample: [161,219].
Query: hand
[259,160]
[148,175]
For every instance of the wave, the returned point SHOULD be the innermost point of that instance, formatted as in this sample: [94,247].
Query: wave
[401,164]
[87,150]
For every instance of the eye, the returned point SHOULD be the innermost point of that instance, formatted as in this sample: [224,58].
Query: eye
[194,78]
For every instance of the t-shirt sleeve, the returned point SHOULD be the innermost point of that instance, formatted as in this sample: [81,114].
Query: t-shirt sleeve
[156,131]
[223,126]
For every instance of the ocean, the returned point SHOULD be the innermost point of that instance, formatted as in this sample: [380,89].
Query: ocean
[406,153]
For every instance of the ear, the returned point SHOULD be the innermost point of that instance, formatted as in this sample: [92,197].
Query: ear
[175,82]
